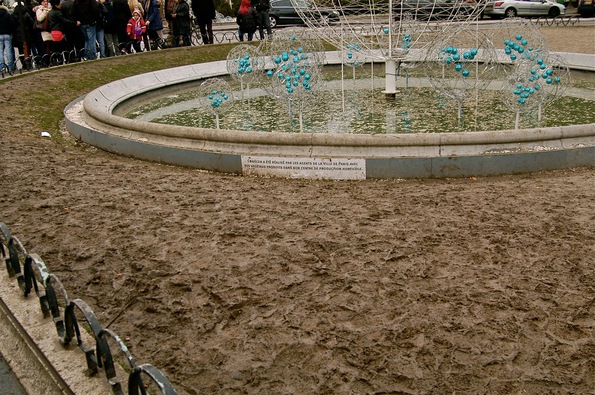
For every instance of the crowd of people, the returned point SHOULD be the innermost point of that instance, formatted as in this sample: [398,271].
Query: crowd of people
[104,28]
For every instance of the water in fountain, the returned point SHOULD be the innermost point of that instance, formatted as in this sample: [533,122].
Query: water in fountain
[451,78]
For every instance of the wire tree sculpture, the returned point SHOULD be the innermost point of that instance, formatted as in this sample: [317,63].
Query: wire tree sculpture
[215,94]
[243,64]
[460,63]
[294,70]
[381,25]
[536,77]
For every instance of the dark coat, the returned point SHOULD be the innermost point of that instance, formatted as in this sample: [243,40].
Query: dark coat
[59,22]
[110,27]
[123,14]
[182,19]
[261,5]
[152,14]
[6,22]
[86,11]
[204,11]
[23,25]
[247,21]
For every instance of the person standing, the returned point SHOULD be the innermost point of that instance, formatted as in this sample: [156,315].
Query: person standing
[263,21]
[6,28]
[136,29]
[204,12]
[42,13]
[153,21]
[59,24]
[75,40]
[87,13]
[122,14]
[181,21]
[246,20]
[23,30]
[110,30]
[100,28]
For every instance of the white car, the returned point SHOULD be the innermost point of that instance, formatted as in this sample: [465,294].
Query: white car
[513,8]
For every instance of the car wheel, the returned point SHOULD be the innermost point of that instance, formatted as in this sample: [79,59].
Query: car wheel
[273,21]
[510,13]
[554,12]
[324,20]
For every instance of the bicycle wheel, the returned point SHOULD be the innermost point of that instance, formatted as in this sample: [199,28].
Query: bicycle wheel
[56,59]
[195,38]
[46,60]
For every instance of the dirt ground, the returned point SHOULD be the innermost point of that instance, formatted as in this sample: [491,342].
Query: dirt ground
[237,285]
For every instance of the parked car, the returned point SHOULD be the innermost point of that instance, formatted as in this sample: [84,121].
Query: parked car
[513,8]
[282,12]
[434,9]
[586,8]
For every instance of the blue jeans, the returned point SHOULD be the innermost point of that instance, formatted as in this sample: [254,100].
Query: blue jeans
[99,32]
[90,35]
[6,45]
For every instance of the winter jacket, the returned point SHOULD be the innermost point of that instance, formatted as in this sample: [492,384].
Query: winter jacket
[261,5]
[247,21]
[182,19]
[136,28]
[122,14]
[6,22]
[86,11]
[110,27]
[204,11]
[152,14]
[21,15]
[59,22]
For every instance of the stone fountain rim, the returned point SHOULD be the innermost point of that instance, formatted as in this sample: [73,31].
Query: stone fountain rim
[98,119]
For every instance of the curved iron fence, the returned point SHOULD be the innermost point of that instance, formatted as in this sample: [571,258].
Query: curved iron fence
[31,273]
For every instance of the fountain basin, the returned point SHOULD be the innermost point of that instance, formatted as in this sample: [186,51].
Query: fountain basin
[96,119]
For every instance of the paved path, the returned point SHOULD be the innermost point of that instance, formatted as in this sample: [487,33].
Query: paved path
[9,384]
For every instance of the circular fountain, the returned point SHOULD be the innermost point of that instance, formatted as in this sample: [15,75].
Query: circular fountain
[289,69]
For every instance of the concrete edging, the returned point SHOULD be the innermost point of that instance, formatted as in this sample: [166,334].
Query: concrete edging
[94,121]
[33,351]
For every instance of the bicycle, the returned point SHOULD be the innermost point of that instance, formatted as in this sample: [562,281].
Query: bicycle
[4,69]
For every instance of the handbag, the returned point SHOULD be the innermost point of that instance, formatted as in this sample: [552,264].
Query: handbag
[43,25]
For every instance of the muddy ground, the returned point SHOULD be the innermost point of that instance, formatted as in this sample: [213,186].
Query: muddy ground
[238,285]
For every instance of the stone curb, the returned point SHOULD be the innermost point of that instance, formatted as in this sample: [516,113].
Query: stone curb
[32,349]
[95,120]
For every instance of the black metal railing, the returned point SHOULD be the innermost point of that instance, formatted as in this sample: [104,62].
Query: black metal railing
[31,273]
